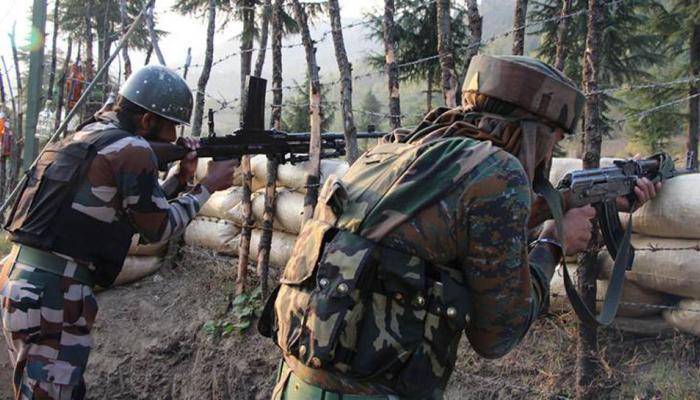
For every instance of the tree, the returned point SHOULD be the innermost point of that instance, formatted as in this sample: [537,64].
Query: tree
[52,70]
[345,68]
[447,62]
[296,115]
[372,108]
[206,69]
[519,27]
[391,65]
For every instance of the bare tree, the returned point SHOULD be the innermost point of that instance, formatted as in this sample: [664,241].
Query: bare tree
[392,67]
[151,23]
[586,387]
[206,70]
[447,62]
[312,180]
[561,35]
[52,70]
[125,49]
[341,56]
[264,33]
[519,27]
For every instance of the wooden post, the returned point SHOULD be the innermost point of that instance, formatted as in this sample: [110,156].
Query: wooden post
[248,14]
[52,71]
[247,210]
[151,23]
[18,142]
[587,371]
[36,69]
[475,29]
[694,102]
[447,62]
[268,219]
[519,27]
[125,50]
[341,56]
[313,178]
[206,70]
[392,67]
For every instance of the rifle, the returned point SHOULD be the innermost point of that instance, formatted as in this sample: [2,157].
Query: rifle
[252,138]
[601,187]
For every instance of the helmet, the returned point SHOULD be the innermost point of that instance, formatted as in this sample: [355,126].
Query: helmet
[529,84]
[161,91]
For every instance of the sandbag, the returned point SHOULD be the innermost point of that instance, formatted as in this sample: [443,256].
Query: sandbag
[215,234]
[236,213]
[152,249]
[136,268]
[293,176]
[221,203]
[654,326]
[666,265]
[562,166]
[632,294]
[288,213]
[686,318]
[674,212]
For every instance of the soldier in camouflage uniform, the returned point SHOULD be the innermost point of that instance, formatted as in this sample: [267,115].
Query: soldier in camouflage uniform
[72,228]
[425,238]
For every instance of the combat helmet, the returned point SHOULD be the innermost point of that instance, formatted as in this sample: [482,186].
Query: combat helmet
[161,91]
[529,84]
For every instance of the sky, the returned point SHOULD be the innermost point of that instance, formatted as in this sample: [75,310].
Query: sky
[183,31]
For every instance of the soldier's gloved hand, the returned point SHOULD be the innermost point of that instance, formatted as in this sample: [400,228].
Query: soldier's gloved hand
[577,229]
[219,175]
[188,165]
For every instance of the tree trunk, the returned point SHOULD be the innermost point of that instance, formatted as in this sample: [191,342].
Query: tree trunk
[392,67]
[312,180]
[9,88]
[103,44]
[587,372]
[3,97]
[124,28]
[519,27]
[149,53]
[265,29]
[151,23]
[341,56]
[206,69]
[475,29]
[52,71]
[246,48]
[429,93]
[62,85]
[694,102]
[17,143]
[89,61]
[447,62]
[276,115]
[561,35]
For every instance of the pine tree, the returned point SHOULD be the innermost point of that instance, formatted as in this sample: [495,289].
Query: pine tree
[296,111]
[372,108]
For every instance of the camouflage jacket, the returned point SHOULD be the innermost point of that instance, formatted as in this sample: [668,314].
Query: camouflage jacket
[124,177]
[474,234]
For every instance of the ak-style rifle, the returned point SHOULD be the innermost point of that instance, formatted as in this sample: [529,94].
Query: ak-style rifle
[253,138]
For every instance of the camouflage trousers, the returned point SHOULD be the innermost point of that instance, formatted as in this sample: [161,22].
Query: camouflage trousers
[46,320]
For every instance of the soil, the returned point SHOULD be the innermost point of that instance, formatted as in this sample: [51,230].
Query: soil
[150,344]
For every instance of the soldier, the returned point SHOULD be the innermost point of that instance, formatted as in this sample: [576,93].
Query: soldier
[425,238]
[73,222]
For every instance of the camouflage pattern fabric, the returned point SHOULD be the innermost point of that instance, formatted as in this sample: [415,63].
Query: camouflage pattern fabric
[123,176]
[46,320]
[438,261]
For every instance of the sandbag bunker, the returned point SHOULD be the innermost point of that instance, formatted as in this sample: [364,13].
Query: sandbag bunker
[662,291]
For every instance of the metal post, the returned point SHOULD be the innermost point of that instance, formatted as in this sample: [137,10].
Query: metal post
[36,68]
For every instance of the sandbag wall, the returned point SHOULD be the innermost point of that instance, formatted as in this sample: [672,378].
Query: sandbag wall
[141,261]
[218,224]
[663,287]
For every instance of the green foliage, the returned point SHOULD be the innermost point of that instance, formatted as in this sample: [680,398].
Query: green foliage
[245,308]
[295,115]
[370,104]
[417,38]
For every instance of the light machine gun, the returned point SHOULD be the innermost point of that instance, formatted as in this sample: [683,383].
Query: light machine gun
[253,138]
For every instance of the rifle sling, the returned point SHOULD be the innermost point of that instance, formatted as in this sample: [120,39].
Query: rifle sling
[622,261]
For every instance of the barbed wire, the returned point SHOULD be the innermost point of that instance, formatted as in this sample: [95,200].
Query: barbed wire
[661,307]
[644,86]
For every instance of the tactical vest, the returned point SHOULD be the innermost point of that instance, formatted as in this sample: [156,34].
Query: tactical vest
[43,217]
[350,303]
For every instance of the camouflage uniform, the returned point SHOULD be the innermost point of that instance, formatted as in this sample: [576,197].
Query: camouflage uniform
[46,317]
[420,241]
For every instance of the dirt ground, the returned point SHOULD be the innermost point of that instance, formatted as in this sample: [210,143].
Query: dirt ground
[150,344]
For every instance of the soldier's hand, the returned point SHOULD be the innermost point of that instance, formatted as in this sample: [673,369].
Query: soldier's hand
[188,165]
[577,229]
[219,175]
[645,191]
